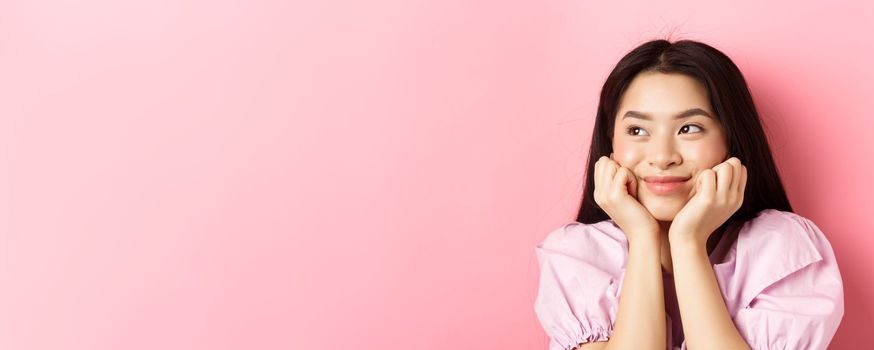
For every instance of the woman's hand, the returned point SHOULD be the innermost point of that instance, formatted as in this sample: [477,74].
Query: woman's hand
[718,193]
[616,194]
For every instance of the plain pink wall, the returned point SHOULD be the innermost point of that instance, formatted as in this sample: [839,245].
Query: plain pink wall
[366,175]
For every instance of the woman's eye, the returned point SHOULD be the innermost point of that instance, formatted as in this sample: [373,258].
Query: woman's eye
[631,130]
[637,131]
[686,127]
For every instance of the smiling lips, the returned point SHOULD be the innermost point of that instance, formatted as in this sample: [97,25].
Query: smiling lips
[664,185]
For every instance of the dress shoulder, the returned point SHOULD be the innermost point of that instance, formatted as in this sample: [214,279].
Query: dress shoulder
[577,298]
[788,284]
[600,244]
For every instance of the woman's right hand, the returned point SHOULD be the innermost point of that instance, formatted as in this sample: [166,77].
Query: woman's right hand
[616,194]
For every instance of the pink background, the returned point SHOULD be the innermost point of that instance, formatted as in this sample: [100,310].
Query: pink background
[367,174]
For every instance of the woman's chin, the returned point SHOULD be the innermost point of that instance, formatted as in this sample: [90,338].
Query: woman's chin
[666,217]
[664,210]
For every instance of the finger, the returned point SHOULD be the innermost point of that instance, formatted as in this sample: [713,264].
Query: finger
[723,177]
[627,181]
[633,186]
[609,172]
[620,182]
[596,176]
[695,186]
[743,181]
[707,185]
[735,174]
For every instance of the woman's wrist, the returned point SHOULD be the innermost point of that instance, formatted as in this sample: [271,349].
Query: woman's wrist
[686,243]
[643,237]
[647,242]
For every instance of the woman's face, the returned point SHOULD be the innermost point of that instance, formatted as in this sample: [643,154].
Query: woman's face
[651,141]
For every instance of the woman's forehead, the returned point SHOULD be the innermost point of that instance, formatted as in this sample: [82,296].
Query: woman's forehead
[664,95]
[678,116]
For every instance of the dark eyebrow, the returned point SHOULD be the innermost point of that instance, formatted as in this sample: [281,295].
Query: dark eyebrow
[686,114]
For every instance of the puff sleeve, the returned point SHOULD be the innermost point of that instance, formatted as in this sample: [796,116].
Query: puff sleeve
[799,307]
[577,291]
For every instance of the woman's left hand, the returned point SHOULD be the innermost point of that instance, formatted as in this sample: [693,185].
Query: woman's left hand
[718,193]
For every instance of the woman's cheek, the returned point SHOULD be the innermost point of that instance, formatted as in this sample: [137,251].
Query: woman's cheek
[707,155]
[626,157]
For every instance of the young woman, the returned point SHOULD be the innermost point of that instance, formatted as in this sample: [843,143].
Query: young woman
[685,236]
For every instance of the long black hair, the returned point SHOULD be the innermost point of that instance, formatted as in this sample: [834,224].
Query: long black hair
[731,101]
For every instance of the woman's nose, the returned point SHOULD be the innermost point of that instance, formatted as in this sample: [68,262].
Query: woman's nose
[663,154]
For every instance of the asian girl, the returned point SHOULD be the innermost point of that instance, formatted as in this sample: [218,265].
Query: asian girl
[685,236]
